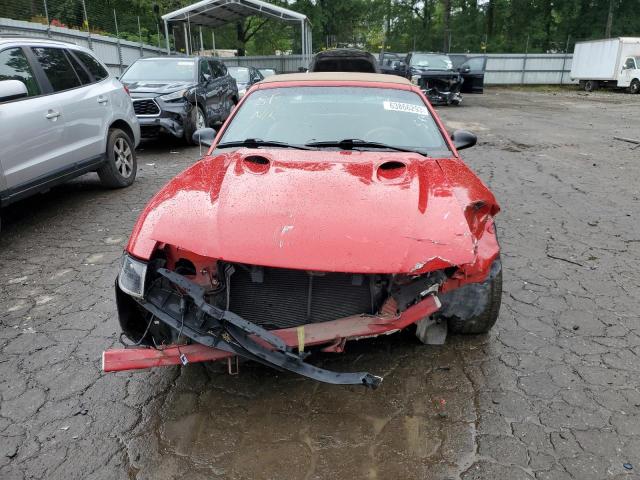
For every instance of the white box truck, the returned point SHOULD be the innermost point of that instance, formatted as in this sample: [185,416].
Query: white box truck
[613,62]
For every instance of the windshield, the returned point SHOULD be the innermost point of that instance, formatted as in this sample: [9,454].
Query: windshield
[171,70]
[431,62]
[241,74]
[301,115]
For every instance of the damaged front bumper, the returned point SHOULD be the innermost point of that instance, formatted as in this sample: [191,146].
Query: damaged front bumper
[220,333]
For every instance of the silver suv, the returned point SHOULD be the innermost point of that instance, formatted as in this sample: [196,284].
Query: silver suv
[61,115]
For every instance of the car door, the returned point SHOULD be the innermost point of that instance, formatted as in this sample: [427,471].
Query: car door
[206,81]
[472,72]
[86,103]
[628,71]
[31,137]
[222,105]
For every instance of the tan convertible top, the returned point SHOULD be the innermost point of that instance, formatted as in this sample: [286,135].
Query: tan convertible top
[336,76]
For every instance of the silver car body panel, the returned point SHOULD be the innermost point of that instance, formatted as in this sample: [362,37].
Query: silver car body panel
[36,143]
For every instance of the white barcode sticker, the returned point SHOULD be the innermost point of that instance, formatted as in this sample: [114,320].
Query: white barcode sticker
[405,107]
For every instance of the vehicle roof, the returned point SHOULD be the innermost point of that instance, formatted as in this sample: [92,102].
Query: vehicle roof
[337,77]
[13,38]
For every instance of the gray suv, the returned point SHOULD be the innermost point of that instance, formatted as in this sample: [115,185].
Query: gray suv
[61,115]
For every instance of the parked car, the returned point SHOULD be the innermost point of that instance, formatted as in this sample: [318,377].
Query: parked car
[267,72]
[472,71]
[330,207]
[344,60]
[392,63]
[61,115]
[177,95]
[245,77]
[612,62]
[435,75]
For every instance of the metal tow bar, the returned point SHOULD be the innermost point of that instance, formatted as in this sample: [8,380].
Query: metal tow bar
[281,357]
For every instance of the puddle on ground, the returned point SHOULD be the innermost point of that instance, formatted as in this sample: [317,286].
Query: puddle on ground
[264,424]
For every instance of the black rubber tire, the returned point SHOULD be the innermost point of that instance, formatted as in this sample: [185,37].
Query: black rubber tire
[110,174]
[189,131]
[591,85]
[481,323]
[635,86]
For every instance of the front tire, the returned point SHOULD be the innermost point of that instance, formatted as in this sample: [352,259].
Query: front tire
[121,166]
[198,120]
[635,86]
[482,322]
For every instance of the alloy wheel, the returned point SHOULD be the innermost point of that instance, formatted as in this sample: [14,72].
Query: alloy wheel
[123,157]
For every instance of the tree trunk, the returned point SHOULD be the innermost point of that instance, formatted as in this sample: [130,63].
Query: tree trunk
[446,24]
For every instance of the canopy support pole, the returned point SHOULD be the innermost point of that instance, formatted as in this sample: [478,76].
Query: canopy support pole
[166,37]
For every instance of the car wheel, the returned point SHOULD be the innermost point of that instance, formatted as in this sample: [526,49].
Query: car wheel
[590,85]
[482,322]
[635,86]
[121,166]
[199,120]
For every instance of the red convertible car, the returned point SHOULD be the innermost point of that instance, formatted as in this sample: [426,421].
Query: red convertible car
[330,207]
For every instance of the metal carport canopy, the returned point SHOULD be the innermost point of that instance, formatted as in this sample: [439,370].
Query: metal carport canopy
[215,13]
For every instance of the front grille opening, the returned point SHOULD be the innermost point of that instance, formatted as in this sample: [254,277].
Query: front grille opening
[145,107]
[282,298]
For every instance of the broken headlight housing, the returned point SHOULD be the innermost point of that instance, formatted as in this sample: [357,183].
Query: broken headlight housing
[172,97]
[132,276]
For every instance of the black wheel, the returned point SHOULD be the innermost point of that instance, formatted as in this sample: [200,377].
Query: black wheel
[482,322]
[635,86]
[121,166]
[590,85]
[198,120]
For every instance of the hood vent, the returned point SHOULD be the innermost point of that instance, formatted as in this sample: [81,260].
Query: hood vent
[391,170]
[256,163]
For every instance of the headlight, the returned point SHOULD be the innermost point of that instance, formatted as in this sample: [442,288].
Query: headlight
[180,94]
[415,79]
[132,276]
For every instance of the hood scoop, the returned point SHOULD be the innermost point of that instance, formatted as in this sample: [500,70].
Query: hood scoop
[256,164]
[391,171]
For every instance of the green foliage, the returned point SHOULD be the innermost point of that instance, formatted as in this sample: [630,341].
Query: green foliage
[401,25]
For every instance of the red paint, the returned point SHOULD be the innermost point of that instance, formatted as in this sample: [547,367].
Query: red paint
[335,332]
[321,210]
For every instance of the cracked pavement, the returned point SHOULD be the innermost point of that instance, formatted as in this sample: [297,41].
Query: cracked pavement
[552,393]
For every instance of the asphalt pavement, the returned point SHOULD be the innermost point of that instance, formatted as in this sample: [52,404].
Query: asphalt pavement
[552,393]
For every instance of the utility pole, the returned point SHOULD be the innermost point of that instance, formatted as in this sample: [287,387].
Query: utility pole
[607,32]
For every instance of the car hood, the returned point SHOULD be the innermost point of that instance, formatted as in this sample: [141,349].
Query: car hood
[318,210]
[159,87]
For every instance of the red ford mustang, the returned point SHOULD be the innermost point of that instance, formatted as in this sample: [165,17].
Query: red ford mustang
[330,207]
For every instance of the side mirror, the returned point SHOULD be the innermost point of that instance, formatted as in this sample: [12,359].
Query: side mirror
[463,139]
[12,90]
[465,69]
[204,136]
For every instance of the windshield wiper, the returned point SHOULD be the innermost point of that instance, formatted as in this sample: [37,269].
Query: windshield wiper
[356,143]
[258,142]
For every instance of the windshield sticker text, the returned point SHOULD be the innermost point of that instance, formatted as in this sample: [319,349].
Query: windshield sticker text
[405,107]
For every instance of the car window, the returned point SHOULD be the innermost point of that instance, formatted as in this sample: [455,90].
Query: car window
[178,69]
[57,68]
[15,66]
[204,70]
[94,66]
[81,72]
[218,69]
[241,74]
[630,63]
[475,63]
[299,115]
